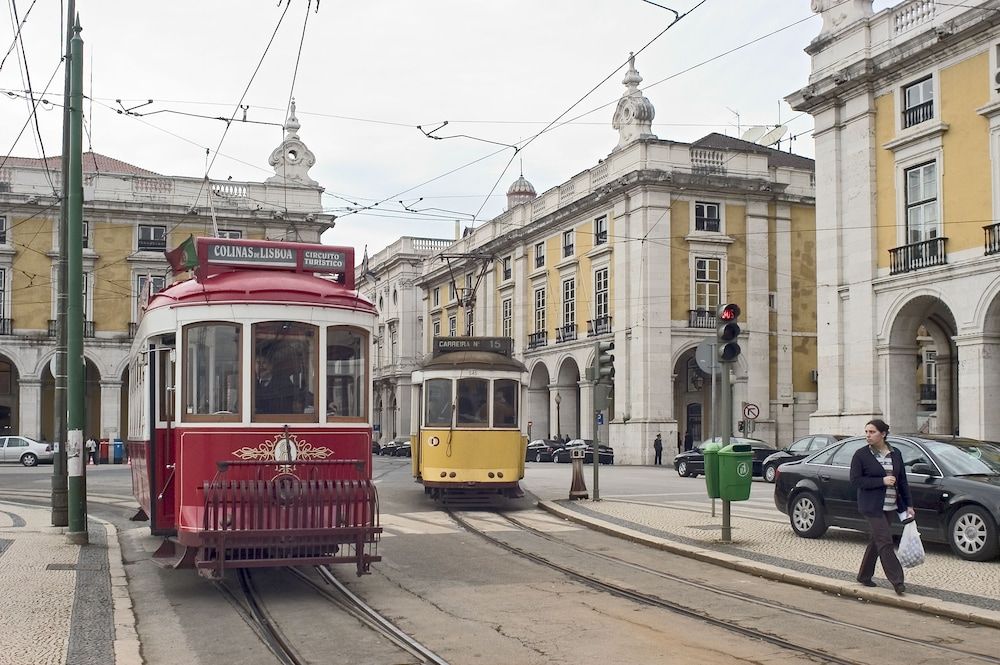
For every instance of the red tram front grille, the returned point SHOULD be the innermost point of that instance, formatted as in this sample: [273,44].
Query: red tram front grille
[252,523]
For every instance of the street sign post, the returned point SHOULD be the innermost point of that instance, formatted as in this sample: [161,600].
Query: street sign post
[750,411]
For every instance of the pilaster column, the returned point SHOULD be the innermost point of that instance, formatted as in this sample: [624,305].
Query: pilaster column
[536,412]
[897,364]
[978,386]
[758,312]
[587,418]
[29,402]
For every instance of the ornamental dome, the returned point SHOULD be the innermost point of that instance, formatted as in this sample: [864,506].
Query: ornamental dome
[520,191]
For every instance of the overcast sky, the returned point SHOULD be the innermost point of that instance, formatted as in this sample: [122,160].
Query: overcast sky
[371,71]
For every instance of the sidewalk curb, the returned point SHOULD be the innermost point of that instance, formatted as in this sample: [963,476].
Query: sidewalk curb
[883,597]
[126,644]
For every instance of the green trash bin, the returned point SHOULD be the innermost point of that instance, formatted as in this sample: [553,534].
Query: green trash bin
[735,472]
[711,452]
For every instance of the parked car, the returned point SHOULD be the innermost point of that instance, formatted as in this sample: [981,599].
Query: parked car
[376,448]
[541,450]
[954,486]
[798,449]
[388,448]
[692,462]
[565,454]
[25,451]
[402,448]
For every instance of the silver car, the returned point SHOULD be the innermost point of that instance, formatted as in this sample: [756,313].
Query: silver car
[25,451]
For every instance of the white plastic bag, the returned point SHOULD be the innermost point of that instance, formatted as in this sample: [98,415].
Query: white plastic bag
[911,550]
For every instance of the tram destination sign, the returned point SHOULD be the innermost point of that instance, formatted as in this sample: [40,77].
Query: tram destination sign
[251,254]
[502,345]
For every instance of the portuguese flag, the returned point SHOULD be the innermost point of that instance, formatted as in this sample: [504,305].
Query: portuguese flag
[183,257]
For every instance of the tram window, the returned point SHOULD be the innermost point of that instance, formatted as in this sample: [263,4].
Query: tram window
[285,370]
[505,403]
[346,366]
[212,371]
[438,403]
[165,375]
[473,402]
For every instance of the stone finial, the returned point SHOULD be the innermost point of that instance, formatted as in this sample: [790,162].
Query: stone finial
[839,13]
[292,159]
[634,115]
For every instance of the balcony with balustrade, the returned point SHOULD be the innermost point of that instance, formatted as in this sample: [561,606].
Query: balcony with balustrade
[88,328]
[6,326]
[918,256]
[538,340]
[701,318]
[599,326]
[566,333]
[992,238]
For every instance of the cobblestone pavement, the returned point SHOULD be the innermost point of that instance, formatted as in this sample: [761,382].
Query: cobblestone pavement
[59,602]
[761,535]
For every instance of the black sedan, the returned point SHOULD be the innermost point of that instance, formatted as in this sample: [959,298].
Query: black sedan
[798,449]
[565,454]
[954,486]
[692,462]
[541,450]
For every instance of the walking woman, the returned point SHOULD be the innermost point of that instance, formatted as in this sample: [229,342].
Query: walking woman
[877,473]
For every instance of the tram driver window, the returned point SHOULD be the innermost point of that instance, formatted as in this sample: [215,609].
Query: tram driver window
[473,402]
[346,373]
[437,403]
[505,403]
[212,371]
[284,371]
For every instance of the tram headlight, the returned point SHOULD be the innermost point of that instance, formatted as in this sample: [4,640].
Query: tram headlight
[434,441]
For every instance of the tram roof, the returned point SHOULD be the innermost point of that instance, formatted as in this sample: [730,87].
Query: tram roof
[258,286]
[474,360]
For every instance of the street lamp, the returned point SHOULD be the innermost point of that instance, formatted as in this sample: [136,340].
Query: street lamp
[558,419]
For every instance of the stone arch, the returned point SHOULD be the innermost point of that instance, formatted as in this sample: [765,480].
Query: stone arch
[536,409]
[567,394]
[92,398]
[918,365]
[10,402]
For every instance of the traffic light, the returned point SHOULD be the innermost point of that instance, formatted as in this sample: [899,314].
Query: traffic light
[727,330]
[605,361]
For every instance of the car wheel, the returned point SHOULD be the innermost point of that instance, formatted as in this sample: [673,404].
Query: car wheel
[770,471]
[29,459]
[682,469]
[972,534]
[538,457]
[806,516]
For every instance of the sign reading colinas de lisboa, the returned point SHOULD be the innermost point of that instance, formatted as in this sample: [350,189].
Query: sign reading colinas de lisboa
[277,257]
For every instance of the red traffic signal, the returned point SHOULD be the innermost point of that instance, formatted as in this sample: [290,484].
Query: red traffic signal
[726,332]
[729,312]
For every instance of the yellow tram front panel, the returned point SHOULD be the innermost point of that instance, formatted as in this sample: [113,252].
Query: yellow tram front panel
[469,457]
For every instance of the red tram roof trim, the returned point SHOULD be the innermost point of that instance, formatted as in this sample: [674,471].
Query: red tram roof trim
[259,286]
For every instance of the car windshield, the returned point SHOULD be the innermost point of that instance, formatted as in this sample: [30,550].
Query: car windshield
[969,457]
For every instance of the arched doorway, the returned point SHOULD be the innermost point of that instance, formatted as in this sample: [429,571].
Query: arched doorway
[537,408]
[8,397]
[567,399]
[693,399]
[91,402]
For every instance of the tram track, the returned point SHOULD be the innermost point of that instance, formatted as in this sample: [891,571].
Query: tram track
[695,613]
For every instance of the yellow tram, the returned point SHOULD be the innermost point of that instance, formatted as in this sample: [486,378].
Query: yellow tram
[468,447]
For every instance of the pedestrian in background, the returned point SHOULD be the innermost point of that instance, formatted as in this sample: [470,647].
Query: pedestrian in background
[92,450]
[658,449]
[688,440]
[878,475]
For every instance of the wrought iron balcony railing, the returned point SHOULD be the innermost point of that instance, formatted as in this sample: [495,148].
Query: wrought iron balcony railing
[53,328]
[88,328]
[928,392]
[132,328]
[599,326]
[917,256]
[539,261]
[151,244]
[701,318]
[6,326]
[918,114]
[566,333]
[992,238]
[538,339]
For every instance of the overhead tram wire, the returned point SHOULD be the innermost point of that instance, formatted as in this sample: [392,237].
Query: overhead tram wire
[17,34]
[31,94]
[30,115]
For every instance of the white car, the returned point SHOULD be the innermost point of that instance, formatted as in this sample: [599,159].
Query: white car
[25,451]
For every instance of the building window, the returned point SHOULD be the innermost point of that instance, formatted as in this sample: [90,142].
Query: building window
[470,323]
[706,284]
[3,230]
[921,203]
[85,234]
[506,268]
[393,345]
[706,217]
[569,302]
[232,234]
[539,254]
[452,326]
[600,230]
[3,293]
[930,366]
[918,102]
[436,328]
[152,238]
[436,296]
[539,310]
[567,239]
[506,317]
[142,282]
[451,292]
[601,294]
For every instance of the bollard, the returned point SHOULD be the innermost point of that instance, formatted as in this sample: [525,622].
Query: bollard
[578,489]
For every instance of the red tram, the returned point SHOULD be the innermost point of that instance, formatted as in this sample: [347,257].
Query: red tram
[249,428]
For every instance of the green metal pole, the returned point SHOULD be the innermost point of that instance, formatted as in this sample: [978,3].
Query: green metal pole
[726,430]
[77,484]
[597,409]
[59,505]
